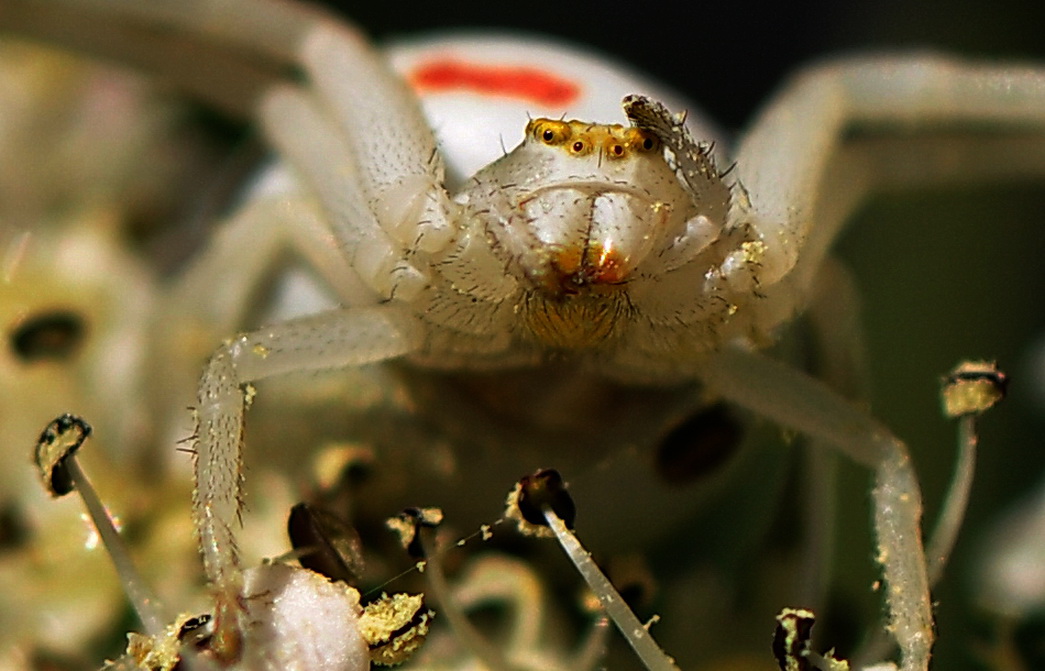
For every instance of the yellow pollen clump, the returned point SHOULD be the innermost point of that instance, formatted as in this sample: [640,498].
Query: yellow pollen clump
[754,251]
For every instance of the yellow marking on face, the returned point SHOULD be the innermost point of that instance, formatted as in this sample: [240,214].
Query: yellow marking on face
[575,268]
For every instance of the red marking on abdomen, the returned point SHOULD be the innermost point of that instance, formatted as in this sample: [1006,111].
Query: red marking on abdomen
[511,81]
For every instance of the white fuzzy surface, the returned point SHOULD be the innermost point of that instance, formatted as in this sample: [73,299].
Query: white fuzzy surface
[300,621]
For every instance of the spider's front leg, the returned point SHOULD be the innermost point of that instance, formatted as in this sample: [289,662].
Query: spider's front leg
[371,162]
[336,339]
[810,158]
[793,399]
[847,128]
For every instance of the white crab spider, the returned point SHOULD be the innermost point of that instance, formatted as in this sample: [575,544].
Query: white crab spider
[459,282]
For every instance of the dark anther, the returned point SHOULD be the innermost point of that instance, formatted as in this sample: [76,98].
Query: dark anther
[545,489]
[986,372]
[325,543]
[50,335]
[410,523]
[973,387]
[197,631]
[791,639]
[57,443]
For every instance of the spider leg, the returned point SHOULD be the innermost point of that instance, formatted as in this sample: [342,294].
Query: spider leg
[334,339]
[351,127]
[280,221]
[793,399]
[278,224]
[358,134]
[809,160]
[234,52]
[838,338]
[316,147]
[785,161]
[398,168]
[227,53]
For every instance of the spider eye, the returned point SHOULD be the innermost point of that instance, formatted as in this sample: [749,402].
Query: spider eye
[549,131]
[642,141]
[578,147]
[647,143]
[614,148]
[51,335]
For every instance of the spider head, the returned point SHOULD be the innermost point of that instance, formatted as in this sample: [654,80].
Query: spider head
[577,207]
